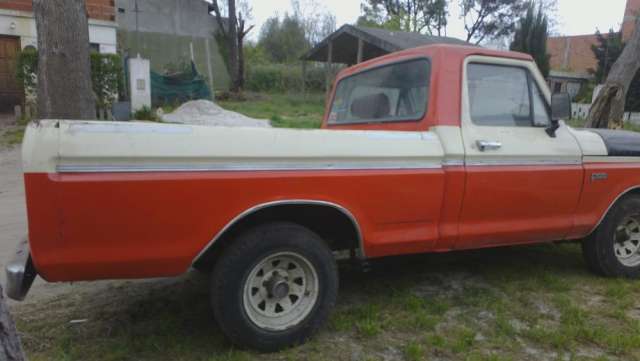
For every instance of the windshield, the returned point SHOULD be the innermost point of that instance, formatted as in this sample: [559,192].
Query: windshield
[395,92]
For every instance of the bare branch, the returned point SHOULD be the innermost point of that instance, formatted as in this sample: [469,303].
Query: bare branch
[218,13]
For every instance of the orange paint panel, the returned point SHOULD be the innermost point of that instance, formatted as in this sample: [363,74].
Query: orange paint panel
[44,218]
[133,225]
[518,204]
[599,194]
[455,177]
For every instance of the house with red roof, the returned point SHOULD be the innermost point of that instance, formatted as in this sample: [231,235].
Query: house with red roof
[572,61]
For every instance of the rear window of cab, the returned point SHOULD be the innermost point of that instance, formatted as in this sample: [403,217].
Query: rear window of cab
[396,92]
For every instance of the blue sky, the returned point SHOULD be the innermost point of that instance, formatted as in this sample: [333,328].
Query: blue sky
[574,16]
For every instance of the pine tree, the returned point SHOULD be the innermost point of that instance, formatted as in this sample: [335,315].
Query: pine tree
[531,37]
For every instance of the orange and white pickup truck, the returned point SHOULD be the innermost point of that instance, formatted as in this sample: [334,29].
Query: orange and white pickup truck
[433,149]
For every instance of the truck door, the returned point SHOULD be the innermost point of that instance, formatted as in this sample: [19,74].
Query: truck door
[522,185]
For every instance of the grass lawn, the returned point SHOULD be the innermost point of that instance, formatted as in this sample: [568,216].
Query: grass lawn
[520,303]
[579,123]
[283,110]
[11,136]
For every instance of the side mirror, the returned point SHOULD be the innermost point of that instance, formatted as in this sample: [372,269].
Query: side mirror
[560,109]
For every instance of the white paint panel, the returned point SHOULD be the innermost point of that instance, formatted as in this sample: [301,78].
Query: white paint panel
[451,138]
[590,142]
[137,145]
[526,144]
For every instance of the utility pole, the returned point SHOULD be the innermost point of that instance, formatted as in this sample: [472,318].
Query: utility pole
[136,10]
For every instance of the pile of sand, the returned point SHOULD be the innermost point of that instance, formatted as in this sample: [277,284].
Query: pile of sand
[205,112]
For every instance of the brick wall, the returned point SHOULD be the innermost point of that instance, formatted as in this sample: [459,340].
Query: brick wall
[97,9]
[102,9]
[23,5]
[572,53]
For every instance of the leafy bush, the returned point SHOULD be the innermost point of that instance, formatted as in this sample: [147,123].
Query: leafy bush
[586,93]
[27,67]
[280,78]
[26,72]
[107,75]
[145,113]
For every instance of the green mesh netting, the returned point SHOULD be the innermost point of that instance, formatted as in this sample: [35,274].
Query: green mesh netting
[178,88]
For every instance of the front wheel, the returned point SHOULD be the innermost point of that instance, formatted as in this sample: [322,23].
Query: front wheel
[274,286]
[613,249]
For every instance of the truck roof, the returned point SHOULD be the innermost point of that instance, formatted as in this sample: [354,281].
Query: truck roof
[451,52]
[447,61]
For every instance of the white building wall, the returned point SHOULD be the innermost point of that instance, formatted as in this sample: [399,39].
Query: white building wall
[23,25]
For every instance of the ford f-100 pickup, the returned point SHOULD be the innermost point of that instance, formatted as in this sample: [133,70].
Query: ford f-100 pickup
[431,149]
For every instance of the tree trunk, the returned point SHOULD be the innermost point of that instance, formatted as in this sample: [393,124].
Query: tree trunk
[240,61]
[10,347]
[64,69]
[233,47]
[607,110]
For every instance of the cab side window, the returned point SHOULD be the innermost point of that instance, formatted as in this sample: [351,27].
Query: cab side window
[505,96]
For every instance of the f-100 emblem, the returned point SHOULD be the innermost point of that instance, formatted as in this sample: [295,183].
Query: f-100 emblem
[598,176]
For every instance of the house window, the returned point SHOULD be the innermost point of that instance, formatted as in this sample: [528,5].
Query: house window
[94,48]
[557,87]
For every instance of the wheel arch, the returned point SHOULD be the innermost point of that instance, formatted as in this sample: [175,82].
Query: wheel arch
[629,191]
[313,214]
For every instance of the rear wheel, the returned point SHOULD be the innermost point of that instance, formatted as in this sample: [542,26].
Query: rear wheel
[614,248]
[274,286]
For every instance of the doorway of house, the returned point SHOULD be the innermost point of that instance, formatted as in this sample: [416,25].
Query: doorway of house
[11,91]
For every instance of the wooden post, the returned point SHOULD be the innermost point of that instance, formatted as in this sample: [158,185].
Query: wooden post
[360,50]
[17,112]
[329,66]
[304,78]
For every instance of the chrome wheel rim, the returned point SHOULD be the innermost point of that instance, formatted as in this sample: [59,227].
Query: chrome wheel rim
[627,241]
[280,291]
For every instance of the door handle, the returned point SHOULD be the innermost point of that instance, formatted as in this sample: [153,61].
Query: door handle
[484,145]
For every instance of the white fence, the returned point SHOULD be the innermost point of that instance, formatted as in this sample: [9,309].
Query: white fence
[581,111]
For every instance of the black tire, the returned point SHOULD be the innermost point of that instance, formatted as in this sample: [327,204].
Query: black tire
[598,248]
[237,264]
